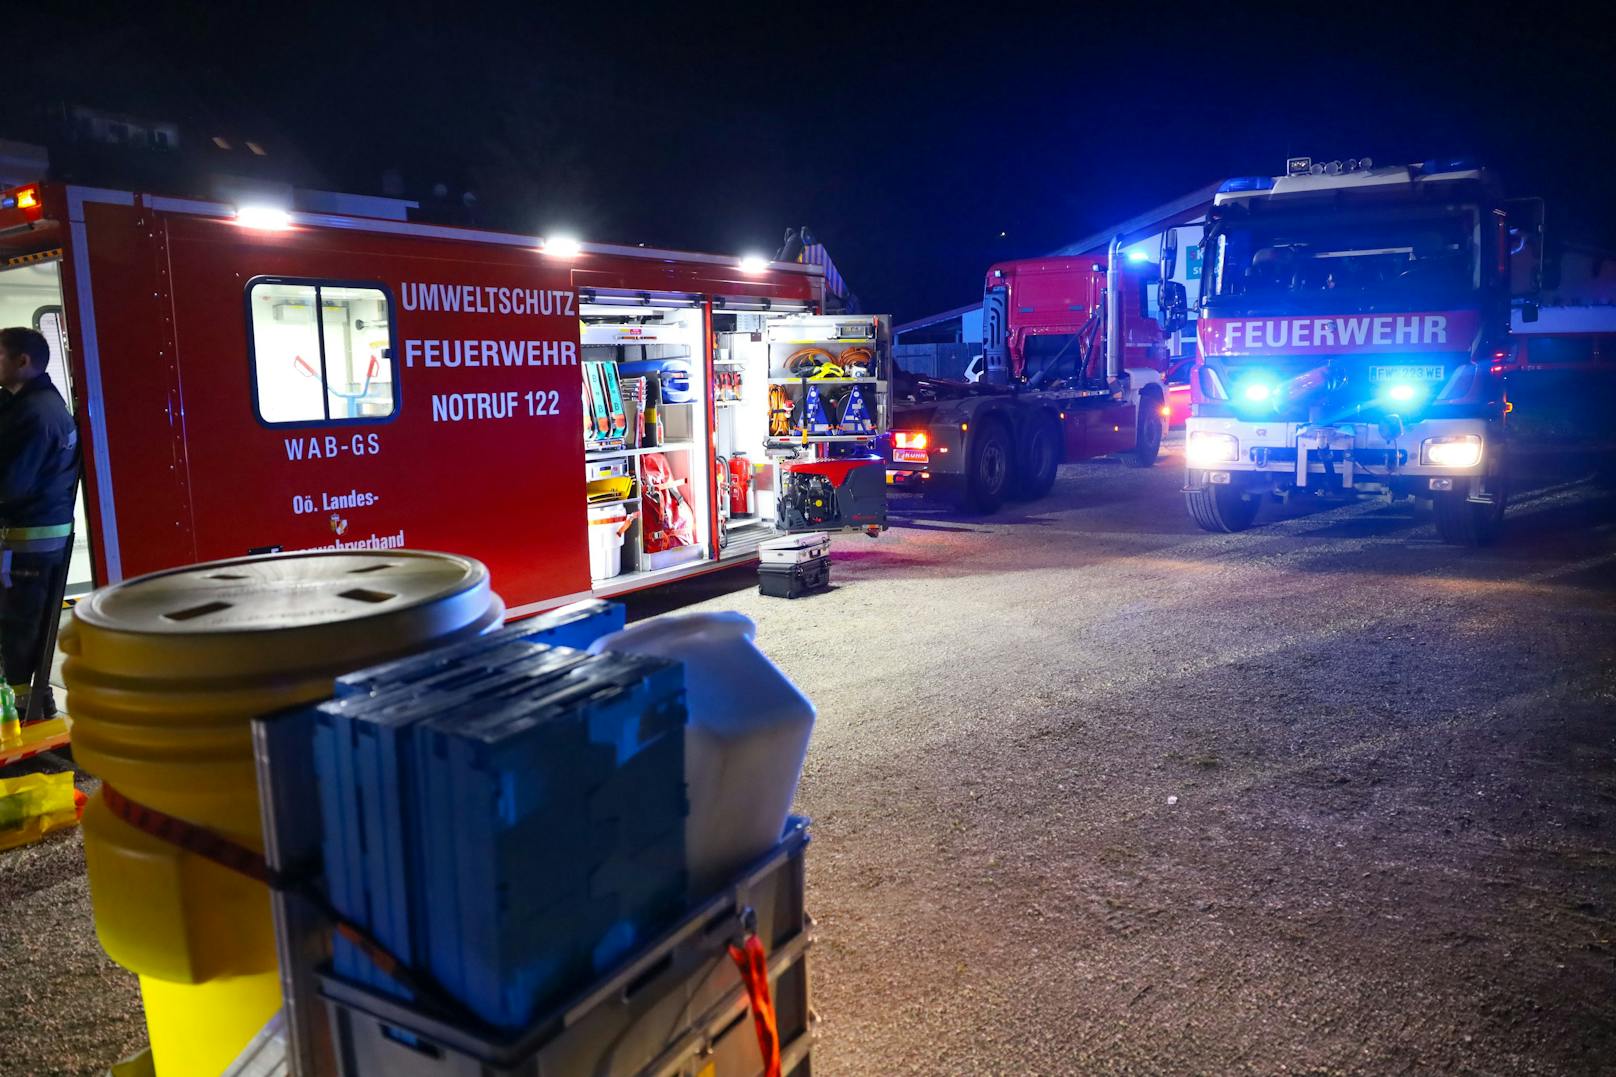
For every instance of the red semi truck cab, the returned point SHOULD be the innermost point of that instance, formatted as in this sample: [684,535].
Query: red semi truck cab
[1072,369]
[1050,307]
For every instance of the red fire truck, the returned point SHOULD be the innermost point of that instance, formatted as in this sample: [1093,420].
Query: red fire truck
[255,379]
[1354,340]
[1072,369]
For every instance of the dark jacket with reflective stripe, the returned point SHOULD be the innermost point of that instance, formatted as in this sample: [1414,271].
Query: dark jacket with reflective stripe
[39,459]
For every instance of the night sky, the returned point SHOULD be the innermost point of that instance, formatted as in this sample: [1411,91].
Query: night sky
[908,137]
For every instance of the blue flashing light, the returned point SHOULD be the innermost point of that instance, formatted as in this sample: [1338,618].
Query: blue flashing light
[1437,166]
[1246,183]
[1402,393]
[1138,256]
[1257,392]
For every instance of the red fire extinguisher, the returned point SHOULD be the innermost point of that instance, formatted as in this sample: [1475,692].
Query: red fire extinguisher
[740,485]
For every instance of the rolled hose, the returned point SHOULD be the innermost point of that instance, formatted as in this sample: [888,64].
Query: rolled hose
[819,362]
[858,356]
[805,361]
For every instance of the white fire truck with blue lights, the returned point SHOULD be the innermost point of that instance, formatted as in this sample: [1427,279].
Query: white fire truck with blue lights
[1354,336]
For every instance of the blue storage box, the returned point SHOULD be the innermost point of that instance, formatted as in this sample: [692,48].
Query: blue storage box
[672,374]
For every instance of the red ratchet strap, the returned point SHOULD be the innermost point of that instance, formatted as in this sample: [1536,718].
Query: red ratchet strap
[244,861]
[754,966]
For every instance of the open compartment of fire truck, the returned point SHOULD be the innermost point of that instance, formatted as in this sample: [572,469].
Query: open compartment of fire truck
[793,389]
[645,432]
[828,378]
[822,381]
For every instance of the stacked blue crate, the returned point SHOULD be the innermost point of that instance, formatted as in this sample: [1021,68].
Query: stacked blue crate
[505,815]
[564,816]
[364,756]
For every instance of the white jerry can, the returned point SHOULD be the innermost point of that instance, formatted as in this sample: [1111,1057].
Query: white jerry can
[744,746]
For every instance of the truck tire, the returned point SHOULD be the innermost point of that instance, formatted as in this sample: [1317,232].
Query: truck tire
[1040,460]
[989,468]
[1148,433]
[1461,523]
[1221,508]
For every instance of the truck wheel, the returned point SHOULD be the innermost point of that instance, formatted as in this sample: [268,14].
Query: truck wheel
[1039,462]
[1148,434]
[1221,508]
[1461,523]
[987,473]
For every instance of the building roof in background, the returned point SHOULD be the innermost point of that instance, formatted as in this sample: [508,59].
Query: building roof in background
[934,319]
[1179,211]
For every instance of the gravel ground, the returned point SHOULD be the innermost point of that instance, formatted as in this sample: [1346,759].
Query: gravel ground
[1095,792]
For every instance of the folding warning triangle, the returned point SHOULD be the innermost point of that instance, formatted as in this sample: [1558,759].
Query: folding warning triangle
[814,419]
[855,418]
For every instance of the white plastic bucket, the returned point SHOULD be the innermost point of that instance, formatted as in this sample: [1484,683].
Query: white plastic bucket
[744,746]
[606,527]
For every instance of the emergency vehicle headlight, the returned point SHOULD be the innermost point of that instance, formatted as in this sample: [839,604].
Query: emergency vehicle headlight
[909,439]
[561,246]
[754,263]
[1459,450]
[1206,447]
[263,218]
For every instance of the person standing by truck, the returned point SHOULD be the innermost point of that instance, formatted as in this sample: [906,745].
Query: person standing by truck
[39,467]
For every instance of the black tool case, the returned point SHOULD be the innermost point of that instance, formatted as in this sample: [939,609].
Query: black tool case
[794,581]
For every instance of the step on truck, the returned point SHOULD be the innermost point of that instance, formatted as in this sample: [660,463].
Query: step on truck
[1071,369]
[1354,336]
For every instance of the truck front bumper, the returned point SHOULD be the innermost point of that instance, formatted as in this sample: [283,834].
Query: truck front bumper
[1424,458]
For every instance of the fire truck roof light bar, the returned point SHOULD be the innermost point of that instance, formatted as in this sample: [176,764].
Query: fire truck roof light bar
[1246,183]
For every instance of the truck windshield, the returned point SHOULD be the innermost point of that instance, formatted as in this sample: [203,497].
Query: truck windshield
[1345,257]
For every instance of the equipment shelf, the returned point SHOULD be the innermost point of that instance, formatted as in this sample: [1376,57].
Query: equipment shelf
[826,381]
[819,438]
[612,454]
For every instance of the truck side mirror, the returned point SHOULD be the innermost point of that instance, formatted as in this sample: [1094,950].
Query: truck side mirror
[1174,302]
[1532,265]
[1169,254]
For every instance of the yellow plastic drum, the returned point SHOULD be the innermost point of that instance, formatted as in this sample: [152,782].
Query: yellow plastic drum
[164,674]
